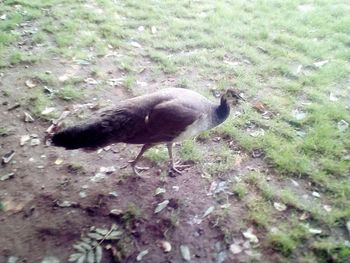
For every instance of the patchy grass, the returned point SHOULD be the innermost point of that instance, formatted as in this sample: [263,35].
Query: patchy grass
[68,93]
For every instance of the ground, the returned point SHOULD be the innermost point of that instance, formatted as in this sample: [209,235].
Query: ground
[271,184]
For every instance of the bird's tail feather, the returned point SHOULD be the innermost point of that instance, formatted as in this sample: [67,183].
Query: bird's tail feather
[81,136]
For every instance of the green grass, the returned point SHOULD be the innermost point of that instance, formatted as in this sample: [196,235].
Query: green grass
[255,46]
[69,93]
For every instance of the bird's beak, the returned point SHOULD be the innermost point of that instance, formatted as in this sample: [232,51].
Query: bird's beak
[240,97]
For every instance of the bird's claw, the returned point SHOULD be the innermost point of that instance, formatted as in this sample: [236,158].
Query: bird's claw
[177,167]
[137,169]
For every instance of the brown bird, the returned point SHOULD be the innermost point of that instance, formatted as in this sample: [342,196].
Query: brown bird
[166,116]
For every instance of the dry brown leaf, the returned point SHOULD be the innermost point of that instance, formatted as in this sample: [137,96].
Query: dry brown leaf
[30,83]
[259,106]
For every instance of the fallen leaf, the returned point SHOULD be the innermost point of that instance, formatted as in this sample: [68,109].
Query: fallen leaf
[185,253]
[50,260]
[116,212]
[58,161]
[328,208]
[30,83]
[333,97]
[159,191]
[90,81]
[342,125]
[135,44]
[250,236]
[259,106]
[66,204]
[161,206]
[298,114]
[221,256]
[48,110]
[12,206]
[295,183]
[82,194]
[320,64]
[142,83]
[8,157]
[235,249]
[212,188]
[7,176]
[28,117]
[306,8]
[208,211]
[113,194]
[12,259]
[98,177]
[304,216]
[64,78]
[141,255]
[257,133]
[348,227]
[279,206]
[107,170]
[153,30]
[315,231]
[115,82]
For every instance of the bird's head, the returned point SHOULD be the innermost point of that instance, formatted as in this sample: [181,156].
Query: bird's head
[232,96]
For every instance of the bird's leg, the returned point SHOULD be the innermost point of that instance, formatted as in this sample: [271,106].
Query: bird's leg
[174,166]
[138,157]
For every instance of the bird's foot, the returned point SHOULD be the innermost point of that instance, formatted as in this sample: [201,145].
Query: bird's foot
[137,169]
[177,167]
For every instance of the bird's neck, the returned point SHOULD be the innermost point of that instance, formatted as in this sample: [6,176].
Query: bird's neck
[222,111]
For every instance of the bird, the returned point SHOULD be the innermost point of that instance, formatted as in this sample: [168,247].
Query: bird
[166,116]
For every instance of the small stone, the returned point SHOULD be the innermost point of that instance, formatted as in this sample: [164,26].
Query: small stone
[235,249]
[82,194]
[35,142]
[279,206]
[165,246]
[316,194]
[141,28]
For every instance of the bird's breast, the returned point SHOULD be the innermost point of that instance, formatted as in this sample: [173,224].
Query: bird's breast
[202,124]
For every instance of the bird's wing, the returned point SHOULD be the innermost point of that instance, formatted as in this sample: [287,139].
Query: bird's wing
[168,120]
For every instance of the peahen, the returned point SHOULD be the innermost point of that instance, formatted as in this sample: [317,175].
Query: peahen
[166,116]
